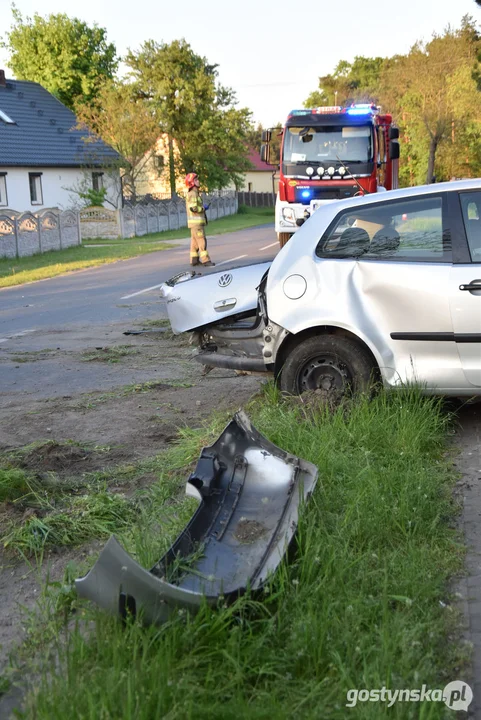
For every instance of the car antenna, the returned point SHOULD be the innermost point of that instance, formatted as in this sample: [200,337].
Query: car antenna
[364,191]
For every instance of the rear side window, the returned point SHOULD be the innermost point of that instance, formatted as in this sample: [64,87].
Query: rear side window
[404,230]
[471,206]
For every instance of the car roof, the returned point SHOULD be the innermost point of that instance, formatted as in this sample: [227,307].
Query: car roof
[327,212]
[453,186]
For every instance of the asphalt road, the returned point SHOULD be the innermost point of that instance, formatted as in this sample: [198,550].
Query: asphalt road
[120,290]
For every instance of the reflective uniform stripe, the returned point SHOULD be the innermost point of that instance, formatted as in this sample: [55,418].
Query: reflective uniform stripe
[195,209]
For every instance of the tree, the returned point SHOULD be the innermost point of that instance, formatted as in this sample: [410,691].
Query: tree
[124,121]
[434,88]
[350,82]
[65,55]
[194,111]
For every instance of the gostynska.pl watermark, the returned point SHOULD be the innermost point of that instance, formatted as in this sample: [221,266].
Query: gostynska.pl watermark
[457,695]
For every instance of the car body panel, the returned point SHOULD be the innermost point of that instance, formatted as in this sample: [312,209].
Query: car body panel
[194,300]
[466,318]
[250,494]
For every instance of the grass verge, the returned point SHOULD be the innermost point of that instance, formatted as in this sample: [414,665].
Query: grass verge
[101,251]
[363,604]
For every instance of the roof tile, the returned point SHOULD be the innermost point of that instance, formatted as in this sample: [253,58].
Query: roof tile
[44,132]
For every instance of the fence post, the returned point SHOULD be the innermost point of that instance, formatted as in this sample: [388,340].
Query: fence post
[60,240]
[15,229]
[120,222]
[79,229]
[39,230]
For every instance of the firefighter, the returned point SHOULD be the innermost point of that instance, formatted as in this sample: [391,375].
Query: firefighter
[196,221]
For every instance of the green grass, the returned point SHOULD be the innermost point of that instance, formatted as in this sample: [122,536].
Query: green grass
[363,603]
[38,267]
[76,521]
[14,483]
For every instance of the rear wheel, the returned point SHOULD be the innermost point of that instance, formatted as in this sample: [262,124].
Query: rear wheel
[330,363]
[283,238]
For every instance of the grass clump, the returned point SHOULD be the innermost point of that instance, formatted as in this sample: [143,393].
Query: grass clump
[71,521]
[111,354]
[14,483]
[362,604]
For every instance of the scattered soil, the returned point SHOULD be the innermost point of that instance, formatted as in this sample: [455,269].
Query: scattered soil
[68,460]
[88,416]
[248,531]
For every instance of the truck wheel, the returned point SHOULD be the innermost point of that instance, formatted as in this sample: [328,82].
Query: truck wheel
[283,238]
[331,363]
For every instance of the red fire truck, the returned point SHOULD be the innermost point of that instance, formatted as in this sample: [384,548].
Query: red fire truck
[330,153]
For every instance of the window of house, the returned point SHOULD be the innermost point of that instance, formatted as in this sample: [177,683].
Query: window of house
[405,230]
[3,190]
[249,187]
[35,181]
[97,181]
[471,205]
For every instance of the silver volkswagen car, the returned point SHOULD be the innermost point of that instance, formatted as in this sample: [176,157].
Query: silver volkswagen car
[384,287]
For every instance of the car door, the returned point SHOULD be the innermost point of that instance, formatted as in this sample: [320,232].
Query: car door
[465,283]
[391,281]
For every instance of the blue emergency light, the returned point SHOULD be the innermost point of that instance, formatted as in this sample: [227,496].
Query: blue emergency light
[361,109]
[306,193]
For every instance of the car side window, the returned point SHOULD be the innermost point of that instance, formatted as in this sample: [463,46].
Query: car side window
[404,230]
[471,206]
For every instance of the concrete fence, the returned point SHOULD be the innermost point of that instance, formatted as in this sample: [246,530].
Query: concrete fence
[23,234]
[152,217]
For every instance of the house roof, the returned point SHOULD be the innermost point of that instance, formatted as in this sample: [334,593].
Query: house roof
[256,162]
[42,131]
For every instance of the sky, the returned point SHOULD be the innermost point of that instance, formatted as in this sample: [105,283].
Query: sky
[270,53]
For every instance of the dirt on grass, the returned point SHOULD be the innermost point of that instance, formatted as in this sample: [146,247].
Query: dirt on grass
[64,418]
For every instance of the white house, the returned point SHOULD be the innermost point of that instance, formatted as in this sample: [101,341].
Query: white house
[45,159]
[261,177]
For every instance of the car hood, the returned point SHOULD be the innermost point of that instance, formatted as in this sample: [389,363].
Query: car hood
[195,300]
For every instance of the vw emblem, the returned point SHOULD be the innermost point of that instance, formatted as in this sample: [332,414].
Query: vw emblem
[225,280]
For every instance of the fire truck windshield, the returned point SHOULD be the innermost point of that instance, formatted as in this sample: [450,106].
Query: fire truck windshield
[323,144]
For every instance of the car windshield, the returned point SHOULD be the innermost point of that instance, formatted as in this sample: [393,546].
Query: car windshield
[326,144]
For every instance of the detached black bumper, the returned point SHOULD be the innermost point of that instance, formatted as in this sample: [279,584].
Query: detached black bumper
[249,494]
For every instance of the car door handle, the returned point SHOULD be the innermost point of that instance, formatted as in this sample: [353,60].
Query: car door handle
[473,285]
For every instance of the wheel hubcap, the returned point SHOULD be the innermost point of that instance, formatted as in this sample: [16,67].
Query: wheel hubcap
[326,373]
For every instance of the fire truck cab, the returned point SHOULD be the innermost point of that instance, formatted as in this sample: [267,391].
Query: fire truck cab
[331,153]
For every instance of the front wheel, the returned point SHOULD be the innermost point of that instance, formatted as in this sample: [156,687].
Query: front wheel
[283,238]
[330,363]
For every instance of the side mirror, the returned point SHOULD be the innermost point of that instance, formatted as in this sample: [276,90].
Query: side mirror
[394,150]
[265,153]
[266,136]
[393,133]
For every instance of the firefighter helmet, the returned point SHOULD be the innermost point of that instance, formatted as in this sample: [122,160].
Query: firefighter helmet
[190,179]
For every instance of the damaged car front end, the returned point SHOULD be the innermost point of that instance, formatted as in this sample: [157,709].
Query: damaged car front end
[226,313]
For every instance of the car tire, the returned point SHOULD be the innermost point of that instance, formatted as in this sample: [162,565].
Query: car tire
[283,238]
[332,364]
